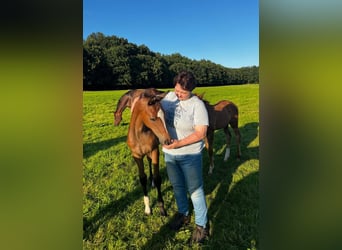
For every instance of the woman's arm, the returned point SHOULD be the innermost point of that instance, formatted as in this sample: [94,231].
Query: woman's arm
[199,134]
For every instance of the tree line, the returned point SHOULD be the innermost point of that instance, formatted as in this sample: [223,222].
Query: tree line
[111,62]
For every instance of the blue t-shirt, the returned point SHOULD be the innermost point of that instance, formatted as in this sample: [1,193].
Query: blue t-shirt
[181,117]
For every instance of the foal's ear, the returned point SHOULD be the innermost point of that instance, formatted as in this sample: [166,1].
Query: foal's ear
[162,94]
[154,99]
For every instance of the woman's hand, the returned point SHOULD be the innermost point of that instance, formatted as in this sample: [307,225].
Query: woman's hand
[199,134]
[174,144]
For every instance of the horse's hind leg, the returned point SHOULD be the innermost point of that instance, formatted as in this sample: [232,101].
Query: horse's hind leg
[238,142]
[228,137]
[157,180]
[234,124]
[143,182]
[209,140]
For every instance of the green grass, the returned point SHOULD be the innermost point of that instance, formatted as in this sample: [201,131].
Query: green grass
[113,209]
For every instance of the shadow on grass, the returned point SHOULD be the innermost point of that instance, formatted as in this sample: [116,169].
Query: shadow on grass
[235,215]
[107,212]
[158,240]
[104,214]
[90,149]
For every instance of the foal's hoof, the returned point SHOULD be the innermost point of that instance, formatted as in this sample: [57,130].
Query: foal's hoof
[163,213]
[162,210]
[148,212]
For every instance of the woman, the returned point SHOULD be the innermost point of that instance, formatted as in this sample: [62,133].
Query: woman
[186,120]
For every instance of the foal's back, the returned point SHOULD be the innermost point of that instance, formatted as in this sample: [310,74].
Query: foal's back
[222,114]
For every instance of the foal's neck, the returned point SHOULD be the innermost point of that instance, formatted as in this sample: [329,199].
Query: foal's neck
[137,124]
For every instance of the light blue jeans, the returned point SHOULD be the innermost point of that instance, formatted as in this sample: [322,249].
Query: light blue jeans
[185,174]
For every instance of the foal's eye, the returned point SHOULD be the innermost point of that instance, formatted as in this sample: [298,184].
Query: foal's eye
[153,118]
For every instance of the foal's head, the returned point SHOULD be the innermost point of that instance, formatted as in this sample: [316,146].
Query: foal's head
[128,99]
[148,108]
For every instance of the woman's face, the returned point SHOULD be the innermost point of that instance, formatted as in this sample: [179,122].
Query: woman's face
[181,93]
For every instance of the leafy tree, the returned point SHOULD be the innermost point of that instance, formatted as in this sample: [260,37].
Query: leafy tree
[111,62]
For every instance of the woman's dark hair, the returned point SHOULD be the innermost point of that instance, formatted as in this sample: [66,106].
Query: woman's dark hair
[185,79]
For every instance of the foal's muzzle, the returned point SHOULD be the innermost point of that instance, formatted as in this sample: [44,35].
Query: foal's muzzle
[167,142]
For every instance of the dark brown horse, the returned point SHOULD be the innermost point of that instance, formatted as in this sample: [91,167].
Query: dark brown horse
[146,130]
[127,100]
[221,115]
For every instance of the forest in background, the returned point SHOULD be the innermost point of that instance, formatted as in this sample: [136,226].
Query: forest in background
[111,62]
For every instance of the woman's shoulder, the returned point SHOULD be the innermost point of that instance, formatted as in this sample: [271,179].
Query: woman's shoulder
[170,96]
[196,99]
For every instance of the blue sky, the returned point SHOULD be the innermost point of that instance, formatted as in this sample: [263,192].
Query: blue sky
[225,32]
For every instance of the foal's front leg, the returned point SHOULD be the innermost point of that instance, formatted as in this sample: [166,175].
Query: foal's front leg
[143,182]
[157,180]
[150,171]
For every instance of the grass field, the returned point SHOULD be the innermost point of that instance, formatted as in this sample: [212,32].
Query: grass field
[113,209]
